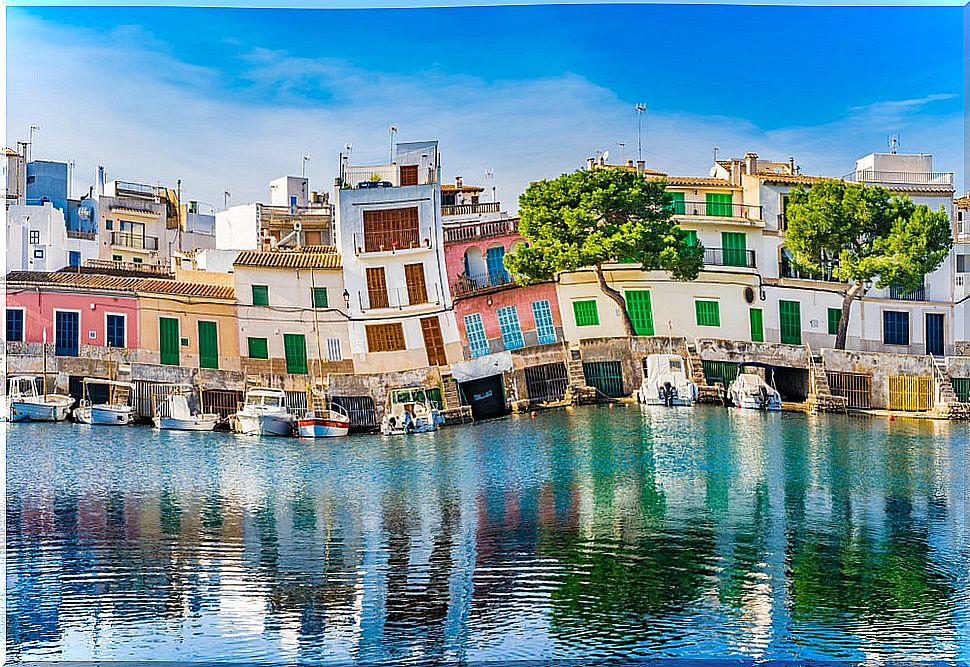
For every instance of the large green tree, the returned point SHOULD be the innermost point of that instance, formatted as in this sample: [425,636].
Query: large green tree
[591,218]
[864,237]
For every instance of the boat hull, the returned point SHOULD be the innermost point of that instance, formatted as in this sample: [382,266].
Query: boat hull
[392,426]
[755,403]
[250,424]
[104,415]
[313,427]
[197,423]
[29,411]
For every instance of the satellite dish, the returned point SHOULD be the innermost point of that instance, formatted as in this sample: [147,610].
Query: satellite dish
[606,156]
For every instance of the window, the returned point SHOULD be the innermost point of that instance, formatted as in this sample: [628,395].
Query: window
[585,313]
[757,325]
[409,174]
[320,298]
[790,320]
[691,237]
[677,206]
[708,313]
[545,329]
[15,325]
[734,247]
[377,288]
[116,258]
[292,201]
[114,330]
[208,345]
[34,236]
[641,314]
[963,266]
[260,295]
[73,258]
[385,337]
[67,329]
[109,224]
[719,204]
[495,262]
[391,229]
[834,315]
[39,253]
[168,340]
[294,347]
[414,277]
[475,333]
[31,179]
[333,350]
[258,348]
[508,323]
[895,327]
[136,260]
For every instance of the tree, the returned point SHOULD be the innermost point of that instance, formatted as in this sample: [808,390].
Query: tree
[864,237]
[591,218]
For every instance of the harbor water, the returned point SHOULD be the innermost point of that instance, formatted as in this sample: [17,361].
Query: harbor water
[578,534]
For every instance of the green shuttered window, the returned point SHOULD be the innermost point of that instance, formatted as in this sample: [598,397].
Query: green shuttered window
[208,345]
[757,325]
[719,204]
[708,314]
[835,314]
[260,295]
[641,314]
[168,340]
[790,319]
[734,246]
[258,349]
[320,299]
[294,347]
[585,313]
[677,206]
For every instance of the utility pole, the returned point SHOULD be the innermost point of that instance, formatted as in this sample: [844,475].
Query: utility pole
[71,169]
[393,131]
[640,108]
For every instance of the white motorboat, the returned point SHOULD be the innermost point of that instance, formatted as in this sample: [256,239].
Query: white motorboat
[263,413]
[29,405]
[665,382]
[750,391]
[409,410]
[331,421]
[173,413]
[116,411]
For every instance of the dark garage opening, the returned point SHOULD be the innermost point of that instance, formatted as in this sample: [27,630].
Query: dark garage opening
[486,396]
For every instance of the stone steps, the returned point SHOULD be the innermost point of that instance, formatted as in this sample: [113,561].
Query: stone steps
[706,393]
[820,396]
[947,403]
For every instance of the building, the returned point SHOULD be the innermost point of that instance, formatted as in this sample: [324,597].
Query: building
[292,313]
[140,223]
[389,233]
[38,239]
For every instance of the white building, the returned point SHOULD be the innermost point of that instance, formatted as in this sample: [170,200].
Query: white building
[294,216]
[38,240]
[389,233]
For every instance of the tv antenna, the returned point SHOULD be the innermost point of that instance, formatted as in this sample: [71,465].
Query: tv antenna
[306,158]
[622,146]
[489,178]
[893,142]
[640,108]
[392,130]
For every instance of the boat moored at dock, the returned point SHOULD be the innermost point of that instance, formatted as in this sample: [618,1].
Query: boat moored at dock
[263,413]
[173,413]
[750,391]
[115,411]
[409,410]
[28,404]
[665,382]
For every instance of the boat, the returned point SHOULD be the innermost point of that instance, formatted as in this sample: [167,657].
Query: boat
[263,413]
[116,411]
[29,405]
[173,413]
[665,382]
[409,410]
[750,391]
[330,421]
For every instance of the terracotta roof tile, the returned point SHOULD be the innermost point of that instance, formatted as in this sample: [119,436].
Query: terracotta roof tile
[708,181]
[451,187]
[792,179]
[963,202]
[94,281]
[306,257]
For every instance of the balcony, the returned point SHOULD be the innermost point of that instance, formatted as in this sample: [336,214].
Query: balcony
[395,298]
[376,242]
[134,241]
[941,179]
[717,210]
[465,285]
[918,294]
[469,209]
[788,270]
[481,230]
[382,176]
[83,236]
[729,257]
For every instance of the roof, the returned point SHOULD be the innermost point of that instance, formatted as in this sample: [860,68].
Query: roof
[791,179]
[706,181]
[963,202]
[451,187]
[100,282]
[305,257]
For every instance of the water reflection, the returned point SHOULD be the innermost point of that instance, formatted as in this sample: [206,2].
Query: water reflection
[586,533]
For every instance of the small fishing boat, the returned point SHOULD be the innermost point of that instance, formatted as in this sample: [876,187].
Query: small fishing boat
[173,413]
[750,391]
[29,405]
[665,382]
[115,411]
[263,413]
[409,410]
[327,421]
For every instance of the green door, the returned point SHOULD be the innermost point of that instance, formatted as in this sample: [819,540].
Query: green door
[208,345]
[638,307]
[757,325]
[168,340]
[294,346]
[734,247]
[719,204]
[789,314]
[677,205]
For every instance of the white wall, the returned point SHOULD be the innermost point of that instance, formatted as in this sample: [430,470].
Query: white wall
[281,189]
[237,227]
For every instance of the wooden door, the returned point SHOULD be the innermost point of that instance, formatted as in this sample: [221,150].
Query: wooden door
[433,342]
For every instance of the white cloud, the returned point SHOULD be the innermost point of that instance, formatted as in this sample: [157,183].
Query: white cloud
[122,100]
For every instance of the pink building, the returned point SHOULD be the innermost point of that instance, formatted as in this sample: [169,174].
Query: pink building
[493,313]
[74,316]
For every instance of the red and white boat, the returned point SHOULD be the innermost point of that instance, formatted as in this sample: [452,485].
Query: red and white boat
[327,423]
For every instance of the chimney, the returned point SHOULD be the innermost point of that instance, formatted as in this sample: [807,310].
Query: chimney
[751,163]
[641,166]
[590,163]
[736,165]
[629,163]
[458,182]
[100,181]
[791,165]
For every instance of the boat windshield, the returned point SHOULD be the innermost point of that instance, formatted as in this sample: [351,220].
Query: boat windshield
[409,396]
[676,365]
[267,401]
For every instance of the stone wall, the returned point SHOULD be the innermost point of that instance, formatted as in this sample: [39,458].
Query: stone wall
[879,365]
[377,385]
[776,354]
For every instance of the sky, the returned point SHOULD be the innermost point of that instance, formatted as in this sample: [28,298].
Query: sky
[228,99]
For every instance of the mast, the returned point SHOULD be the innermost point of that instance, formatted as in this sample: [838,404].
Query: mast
[316,330]
[45,364]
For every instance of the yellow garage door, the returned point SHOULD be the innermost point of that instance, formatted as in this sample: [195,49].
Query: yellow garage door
[910,393]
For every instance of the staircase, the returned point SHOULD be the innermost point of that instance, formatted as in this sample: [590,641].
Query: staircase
[695,367]
[452,409]
[947,404]
[577,391]
[820,396]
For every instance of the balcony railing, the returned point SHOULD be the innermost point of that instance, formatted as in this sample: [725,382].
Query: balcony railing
[939,178]
[787,270]
[469,209]
[918,294]
[717,210]
[135,241]
[382,175]
[403,239]
[464,285]
[395,297]
[84,236]
[729,257]
[481,230]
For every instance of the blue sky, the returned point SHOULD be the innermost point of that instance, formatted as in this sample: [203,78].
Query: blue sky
[230,98]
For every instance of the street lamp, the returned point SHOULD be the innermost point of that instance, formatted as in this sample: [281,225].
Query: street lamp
[640,108]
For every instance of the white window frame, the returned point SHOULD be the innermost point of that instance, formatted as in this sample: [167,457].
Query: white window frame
[23,323]
[123,316]
[79,326]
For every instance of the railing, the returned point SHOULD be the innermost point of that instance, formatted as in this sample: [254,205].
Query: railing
[84,236]
[402,239]
[395,297]
[941,178]
[111,267]
[464,285]
[469,209]
[729,257]
[283,216]
[481,230]
[361,177]
[917,294]
[787,270]
[137,241]
[717,210]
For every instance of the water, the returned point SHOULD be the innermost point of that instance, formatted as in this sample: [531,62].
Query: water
[589,533]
